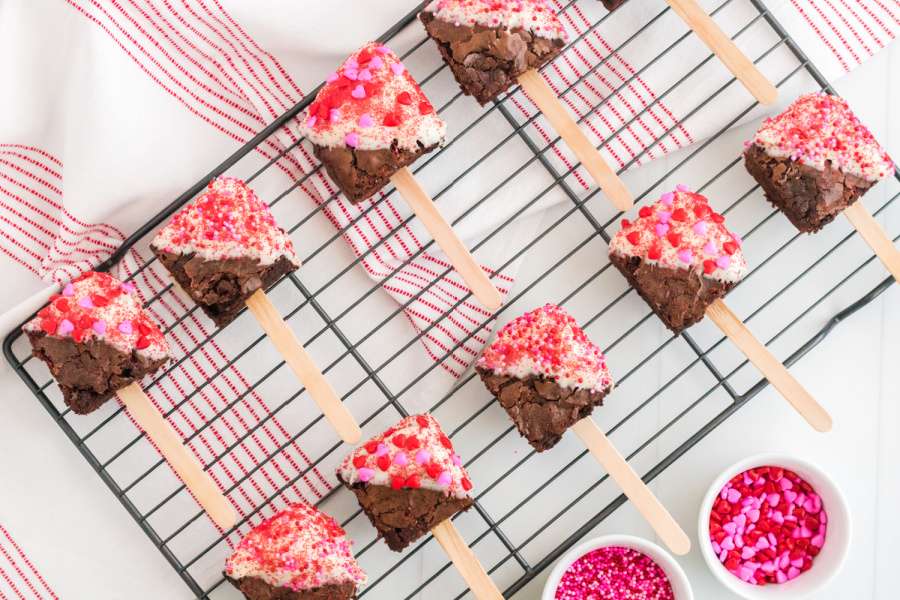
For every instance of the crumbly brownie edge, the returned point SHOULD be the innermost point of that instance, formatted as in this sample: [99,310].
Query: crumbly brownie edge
[361,173]
[486,61]
[255,588]
[612,4]
[541,409]
[810,198]
[403,516]
[679,297]
[221,287]
[89,373]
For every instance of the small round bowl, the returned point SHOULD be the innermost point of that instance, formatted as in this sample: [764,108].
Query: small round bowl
[681,587]
[830,558]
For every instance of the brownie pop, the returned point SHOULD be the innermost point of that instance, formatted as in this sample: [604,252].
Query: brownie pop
[298,554]
[549,376]
[490,45]
[98,341]
[224,249]
[816,160]
[721,45]
[682,260]
[409,480]
[367,124]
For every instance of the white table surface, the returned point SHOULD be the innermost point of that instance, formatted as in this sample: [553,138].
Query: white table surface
[85,535]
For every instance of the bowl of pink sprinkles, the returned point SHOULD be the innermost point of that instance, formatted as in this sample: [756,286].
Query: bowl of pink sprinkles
[622,567]
[772,527]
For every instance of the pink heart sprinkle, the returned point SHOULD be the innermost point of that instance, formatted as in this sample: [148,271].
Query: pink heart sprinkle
[786,484]
[716,547]
[730,528]
[456,460]
[382,49]
[793,573]
[728,543]
[444,479]
[352,139]
[422,457]
[700,227]
[818,541]
[723,262]
[667,198]
[682,188]
[664,216]
[376,63]
[762,543]
[351,74]
[710,248]
[753,515]
[733,496]
[128,287]
[85,302]
[661,229]
[125,327]
[359,92]
[332,77]
[780,577]
[747,552]
[334,115]
[99,327]
[366,474]
[311,122]
[68,290]
[381,450]
[685,256]
[365,120]
[773,499]
[365,75]
[790,496]
[65,327]
[397,68]
[740,521]
[400,459]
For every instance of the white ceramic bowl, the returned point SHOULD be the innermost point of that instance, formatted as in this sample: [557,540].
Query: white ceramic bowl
[825,565]
[680,584]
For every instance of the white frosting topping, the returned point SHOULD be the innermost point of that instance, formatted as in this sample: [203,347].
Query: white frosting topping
[536,16]
[371,103]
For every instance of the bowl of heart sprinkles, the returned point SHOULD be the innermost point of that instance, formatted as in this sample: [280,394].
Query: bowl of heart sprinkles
[620,567]
[772,527]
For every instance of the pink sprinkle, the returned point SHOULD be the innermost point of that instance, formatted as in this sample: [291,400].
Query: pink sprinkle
[614,572]
[397,68]
[400,459]
[125,327]
[334,115]
[365,474]
[382,50]
[700,227]
[682,188]
[332,77]
[667,198]
[128,287]
[422,456]
[444,479]
[661,229]
[352,139]
[456,460]
[685,256]
[376,63]
[99,327]
[311,122]
[65,327]
[723,262]
[730,528]
[85,302]
[381,450]
[351,74]
[365,120]
[365,75]
[68,290]
[733,495]
[359,92]
[664,216]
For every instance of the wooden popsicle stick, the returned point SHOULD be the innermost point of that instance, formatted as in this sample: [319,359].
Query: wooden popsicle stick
[873,234]
[460,257]
[665,526]
[304,368]
[545,98]
[178,456]
[721,45]
[769,366]
[465,561]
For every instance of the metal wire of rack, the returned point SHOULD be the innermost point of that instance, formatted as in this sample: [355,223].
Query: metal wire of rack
[672,390]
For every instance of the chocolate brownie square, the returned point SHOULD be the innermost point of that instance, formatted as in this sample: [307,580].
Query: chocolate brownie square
[679,256]
[815,159]
[488,44]
[545,373]
[407,480]
[96,338]
[223,247]
[370,120]
[298,554]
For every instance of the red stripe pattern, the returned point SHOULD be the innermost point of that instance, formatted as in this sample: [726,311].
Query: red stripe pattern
[19,578]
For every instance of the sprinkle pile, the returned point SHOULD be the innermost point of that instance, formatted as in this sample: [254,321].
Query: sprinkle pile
[682,231]
[299,548]
[614,573]
[414,453]
[227,221]
[819,128]
[548,342]
[370,103]
[97,306]
[767,525]
[536,16]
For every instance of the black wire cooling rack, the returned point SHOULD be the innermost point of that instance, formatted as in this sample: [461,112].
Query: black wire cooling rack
[672,390]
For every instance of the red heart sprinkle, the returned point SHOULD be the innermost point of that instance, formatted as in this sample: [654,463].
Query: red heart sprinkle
[412,443]
[413,481]
[142,343]
[371,447]
[467,485]
[61,305]
[645,212]
[425,108]
[717,218]
[654,253]
[445,442]
[731,248]
[396,482]
[384,462]
[399,440]
[679,215]
[674,238]
[404,98]
[359,461]
[626,223]
[433,470]
[422,420]
[391,120]
[709,266]
[634,237]
[49,326]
